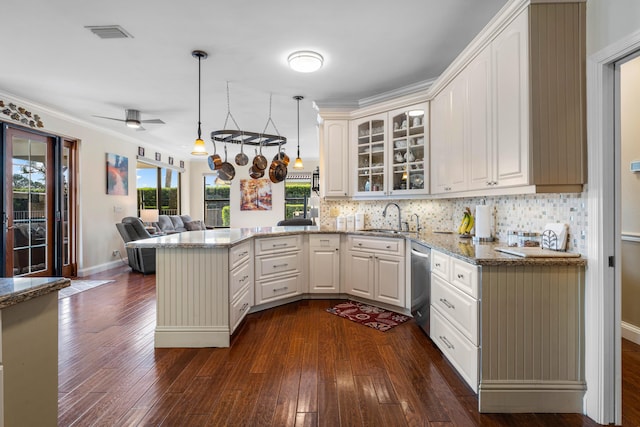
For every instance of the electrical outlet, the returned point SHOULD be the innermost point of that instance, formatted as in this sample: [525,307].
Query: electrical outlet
[115,253]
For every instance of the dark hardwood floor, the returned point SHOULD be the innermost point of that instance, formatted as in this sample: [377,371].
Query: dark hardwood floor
[291,365]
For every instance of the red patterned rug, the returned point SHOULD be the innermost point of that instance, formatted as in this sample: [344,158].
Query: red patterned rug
[368,315]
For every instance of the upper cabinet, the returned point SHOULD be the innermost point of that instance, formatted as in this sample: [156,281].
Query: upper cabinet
[334,157]
[409,150]
[514,114]
[369,144]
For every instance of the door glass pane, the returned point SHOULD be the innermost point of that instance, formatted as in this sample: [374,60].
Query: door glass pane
[216,202]
[147,186]
[169,192]
[29,206]
[66,231]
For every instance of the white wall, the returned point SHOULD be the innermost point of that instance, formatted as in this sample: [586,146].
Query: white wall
[609,21]
[98,211]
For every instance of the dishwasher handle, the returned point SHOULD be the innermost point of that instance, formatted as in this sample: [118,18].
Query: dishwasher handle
[419,254]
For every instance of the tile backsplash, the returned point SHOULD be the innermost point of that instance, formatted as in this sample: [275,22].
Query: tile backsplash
[528,212]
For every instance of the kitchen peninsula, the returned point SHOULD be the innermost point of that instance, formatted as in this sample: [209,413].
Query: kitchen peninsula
[522,350]
[29,350]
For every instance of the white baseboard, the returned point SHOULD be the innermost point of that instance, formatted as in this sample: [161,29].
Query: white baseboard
[630,332]
[102,267]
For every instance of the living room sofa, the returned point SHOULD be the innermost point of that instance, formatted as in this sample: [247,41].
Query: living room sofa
[170,224]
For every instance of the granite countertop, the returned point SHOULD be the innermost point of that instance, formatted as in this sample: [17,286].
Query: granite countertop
[449,243]
[20,289]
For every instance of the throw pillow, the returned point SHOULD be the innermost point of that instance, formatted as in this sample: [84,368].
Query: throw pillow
[194,225]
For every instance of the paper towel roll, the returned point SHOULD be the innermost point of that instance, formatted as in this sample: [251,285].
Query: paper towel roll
[483,221]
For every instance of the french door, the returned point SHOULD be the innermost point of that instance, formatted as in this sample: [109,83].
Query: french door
[37,210]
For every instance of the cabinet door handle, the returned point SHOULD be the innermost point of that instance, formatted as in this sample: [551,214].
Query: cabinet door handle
[446,342]
[280,289]
[244,278]
[245,253]
[244,307]
[276,245]
[447,303]
[437,264]
[280,265]
[460,276]
[388,246]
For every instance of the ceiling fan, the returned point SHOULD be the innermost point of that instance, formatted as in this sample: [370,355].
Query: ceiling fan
[132,119]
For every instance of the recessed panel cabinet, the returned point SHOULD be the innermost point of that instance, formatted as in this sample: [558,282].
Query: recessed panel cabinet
[324,263]
[334,158]
[515,115]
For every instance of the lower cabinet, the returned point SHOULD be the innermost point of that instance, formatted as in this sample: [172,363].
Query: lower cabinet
[279,268]
[240,283]
[376,269]
[324,263]
[455,314]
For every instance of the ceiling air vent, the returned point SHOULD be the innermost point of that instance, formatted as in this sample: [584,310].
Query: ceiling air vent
[109,32]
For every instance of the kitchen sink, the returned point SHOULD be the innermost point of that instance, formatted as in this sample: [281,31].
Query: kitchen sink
[386,230]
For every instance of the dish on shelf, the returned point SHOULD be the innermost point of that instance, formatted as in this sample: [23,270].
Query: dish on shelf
[401,143]
[417,180]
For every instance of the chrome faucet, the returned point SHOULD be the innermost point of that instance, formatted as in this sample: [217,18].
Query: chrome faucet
[384,214]
[418,228]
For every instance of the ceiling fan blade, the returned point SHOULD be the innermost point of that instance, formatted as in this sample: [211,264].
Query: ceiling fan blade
[109,118]
[140,128]
[155,121]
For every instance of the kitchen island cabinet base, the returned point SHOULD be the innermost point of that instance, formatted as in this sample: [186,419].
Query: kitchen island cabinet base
[524,397]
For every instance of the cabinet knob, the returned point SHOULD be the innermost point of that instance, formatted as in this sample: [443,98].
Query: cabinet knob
[460,276]
[337,249]
[437,264]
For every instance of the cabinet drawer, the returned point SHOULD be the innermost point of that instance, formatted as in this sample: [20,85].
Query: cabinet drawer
[239,278]
[440,264]
[239,309]
[459,308]
[464,276]
[462,354]
[377,244]
[275,289]
[239,253]
[268,266]
[278,244]
[324,240]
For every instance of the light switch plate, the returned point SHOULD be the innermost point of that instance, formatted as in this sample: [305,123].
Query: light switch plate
[635,166]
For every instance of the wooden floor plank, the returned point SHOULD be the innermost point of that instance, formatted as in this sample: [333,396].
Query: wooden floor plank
[291,365]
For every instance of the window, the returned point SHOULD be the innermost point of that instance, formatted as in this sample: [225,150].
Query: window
[217,212]
[297,190]
[155,184]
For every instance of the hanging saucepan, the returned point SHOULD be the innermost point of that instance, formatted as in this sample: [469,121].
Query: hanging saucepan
[278,169]
[260,162]
[214,160]
[241,158]
[226,172]
[254,173]
[283,157]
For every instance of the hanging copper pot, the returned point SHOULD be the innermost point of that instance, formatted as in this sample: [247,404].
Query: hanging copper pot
[255,174]
[226,172]
[260,162]
[241,158]
[215,161]
[278,169]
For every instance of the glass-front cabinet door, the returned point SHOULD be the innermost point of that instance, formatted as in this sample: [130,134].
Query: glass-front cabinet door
[370,144]
[409,150]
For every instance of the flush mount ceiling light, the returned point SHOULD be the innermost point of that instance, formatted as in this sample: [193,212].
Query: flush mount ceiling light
[298,162]
[198,147]
[305,61]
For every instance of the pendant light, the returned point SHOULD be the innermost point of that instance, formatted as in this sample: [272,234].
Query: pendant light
[298,162]
[198,147]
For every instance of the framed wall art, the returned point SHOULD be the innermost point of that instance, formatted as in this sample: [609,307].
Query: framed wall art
[117,174]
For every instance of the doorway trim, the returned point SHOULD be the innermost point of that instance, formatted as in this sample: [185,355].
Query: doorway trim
[603,400]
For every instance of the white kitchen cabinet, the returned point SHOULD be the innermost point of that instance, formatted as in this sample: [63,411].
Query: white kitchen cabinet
[376,269]
[408,150]
[241,283]
[510,62]
[324,263]
[334,158]
[278,268]
[455,313]
[369,146]
[518,105]
[448,171]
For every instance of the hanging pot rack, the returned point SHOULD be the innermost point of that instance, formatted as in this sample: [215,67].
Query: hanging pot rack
[238,136]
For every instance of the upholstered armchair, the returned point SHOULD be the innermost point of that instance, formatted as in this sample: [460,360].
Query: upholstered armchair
[140,259]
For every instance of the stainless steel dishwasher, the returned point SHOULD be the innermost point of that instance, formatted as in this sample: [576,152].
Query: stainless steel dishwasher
[421,284]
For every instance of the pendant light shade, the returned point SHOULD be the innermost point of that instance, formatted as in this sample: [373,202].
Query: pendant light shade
[298,163]
[199,148]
